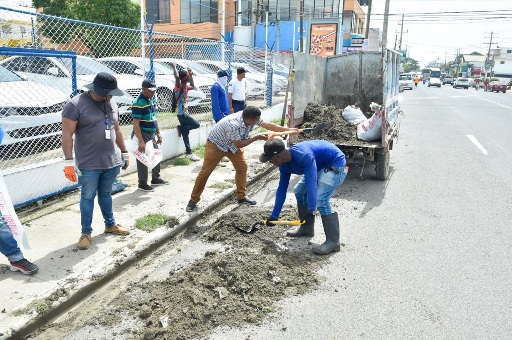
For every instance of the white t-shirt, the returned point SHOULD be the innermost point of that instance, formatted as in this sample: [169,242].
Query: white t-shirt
[237,88]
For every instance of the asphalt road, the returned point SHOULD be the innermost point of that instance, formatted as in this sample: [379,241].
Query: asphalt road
[427,253]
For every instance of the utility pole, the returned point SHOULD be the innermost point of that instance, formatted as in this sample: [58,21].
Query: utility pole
[368,18]
[401,33]
[488,61]
[301,26]
[278,28]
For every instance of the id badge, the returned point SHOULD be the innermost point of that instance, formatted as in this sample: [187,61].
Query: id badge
[107,134]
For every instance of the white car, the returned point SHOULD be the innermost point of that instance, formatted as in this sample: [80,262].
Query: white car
[165,81]
[255,86]
[56,72]
[30,113]
[434,82]
[406,81]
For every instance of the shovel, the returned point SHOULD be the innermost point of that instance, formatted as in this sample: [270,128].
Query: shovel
[255,226]
[321,126]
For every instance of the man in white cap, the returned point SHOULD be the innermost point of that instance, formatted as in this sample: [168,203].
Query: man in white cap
[92,118]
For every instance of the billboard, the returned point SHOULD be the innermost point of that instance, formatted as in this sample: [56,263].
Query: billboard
[323,39]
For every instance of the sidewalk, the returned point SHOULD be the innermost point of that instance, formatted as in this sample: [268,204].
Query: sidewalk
[67,274]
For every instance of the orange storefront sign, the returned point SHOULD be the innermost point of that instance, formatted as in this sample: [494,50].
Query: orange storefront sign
[323,38]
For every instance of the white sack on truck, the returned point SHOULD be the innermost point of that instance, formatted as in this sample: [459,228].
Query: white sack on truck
[352,115]
[371,129]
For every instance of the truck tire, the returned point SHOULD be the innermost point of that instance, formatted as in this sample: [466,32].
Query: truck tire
[382,166]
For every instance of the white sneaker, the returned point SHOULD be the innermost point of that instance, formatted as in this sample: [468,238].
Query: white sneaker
[193,157]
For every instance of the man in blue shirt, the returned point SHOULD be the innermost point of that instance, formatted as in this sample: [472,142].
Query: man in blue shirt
[220,107]
[322,166]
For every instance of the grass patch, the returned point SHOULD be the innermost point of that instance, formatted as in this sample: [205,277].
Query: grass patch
[200,150]
[182,161]
[40,306]
[151,222]
[221,185]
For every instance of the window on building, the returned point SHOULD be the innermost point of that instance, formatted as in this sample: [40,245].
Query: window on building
[502,62]
[509,51]
[199,11]
[159,10]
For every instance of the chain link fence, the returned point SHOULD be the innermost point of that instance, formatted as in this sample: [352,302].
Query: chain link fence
[34,86]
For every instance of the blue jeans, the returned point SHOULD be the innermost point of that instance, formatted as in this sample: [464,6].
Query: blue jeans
[327,182]
[8,245]
[187,123]
[97,181]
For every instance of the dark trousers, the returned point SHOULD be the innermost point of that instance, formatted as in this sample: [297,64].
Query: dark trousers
[142,170]
[238,105]
[187,123]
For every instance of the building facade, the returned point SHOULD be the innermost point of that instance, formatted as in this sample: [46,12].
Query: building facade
[203,18]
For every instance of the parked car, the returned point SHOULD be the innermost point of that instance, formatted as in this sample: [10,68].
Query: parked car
[255,86]
[448,80]
[496,86]
[434,82]
[259,64]
[183,64]
[56,72]
[30,114]
[461,82]
[405,79]
[165,81]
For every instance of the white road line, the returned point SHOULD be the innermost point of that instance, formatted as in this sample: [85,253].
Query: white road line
[478,145]
[496,103]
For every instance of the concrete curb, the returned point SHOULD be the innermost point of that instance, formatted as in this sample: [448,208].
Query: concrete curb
[83,292]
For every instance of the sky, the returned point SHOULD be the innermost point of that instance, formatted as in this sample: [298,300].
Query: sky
[434,30]
[437,29]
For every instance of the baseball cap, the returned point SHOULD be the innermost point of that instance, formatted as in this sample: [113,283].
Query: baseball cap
[104,84]
[149,84]
[222,73]
[270,148]
[240,70]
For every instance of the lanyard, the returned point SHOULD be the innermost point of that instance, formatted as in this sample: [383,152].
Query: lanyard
[103,109]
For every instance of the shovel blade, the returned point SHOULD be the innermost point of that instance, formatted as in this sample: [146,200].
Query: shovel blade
[321,126]
[250,229]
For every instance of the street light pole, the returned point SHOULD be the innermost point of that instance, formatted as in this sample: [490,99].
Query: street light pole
[368,18]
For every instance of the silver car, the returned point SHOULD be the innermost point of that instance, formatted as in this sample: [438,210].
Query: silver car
[30,114]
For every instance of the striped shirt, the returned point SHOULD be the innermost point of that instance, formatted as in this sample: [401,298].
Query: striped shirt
[145,110]
[229,129]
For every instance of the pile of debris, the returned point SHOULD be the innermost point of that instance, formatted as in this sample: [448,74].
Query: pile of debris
[341,131]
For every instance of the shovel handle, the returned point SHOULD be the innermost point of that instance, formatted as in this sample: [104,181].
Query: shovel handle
[294,222]
[276,134]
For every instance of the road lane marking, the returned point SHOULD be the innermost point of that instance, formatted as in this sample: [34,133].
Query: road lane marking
[478,145]
[496,103]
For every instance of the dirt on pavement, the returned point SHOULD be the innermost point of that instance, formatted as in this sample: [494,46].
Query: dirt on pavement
[234,285]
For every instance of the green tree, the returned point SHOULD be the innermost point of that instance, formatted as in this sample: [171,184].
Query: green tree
[411,65]
[103,41]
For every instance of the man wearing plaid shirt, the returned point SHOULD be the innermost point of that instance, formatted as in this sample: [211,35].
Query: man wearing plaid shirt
[228,139]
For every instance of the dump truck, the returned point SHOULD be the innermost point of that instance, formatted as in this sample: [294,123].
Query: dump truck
[351,79]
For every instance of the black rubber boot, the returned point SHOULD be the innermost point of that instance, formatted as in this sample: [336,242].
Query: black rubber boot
[332,235]
[307,229]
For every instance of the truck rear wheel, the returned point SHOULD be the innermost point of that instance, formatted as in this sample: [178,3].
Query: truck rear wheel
[382,166]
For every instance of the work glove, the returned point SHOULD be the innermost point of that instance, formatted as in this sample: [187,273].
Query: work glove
[269,220]
[125,160]
[69,170]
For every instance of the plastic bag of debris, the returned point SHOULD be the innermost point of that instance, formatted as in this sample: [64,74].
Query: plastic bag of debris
[150,158]
[371,129]
[353,115]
